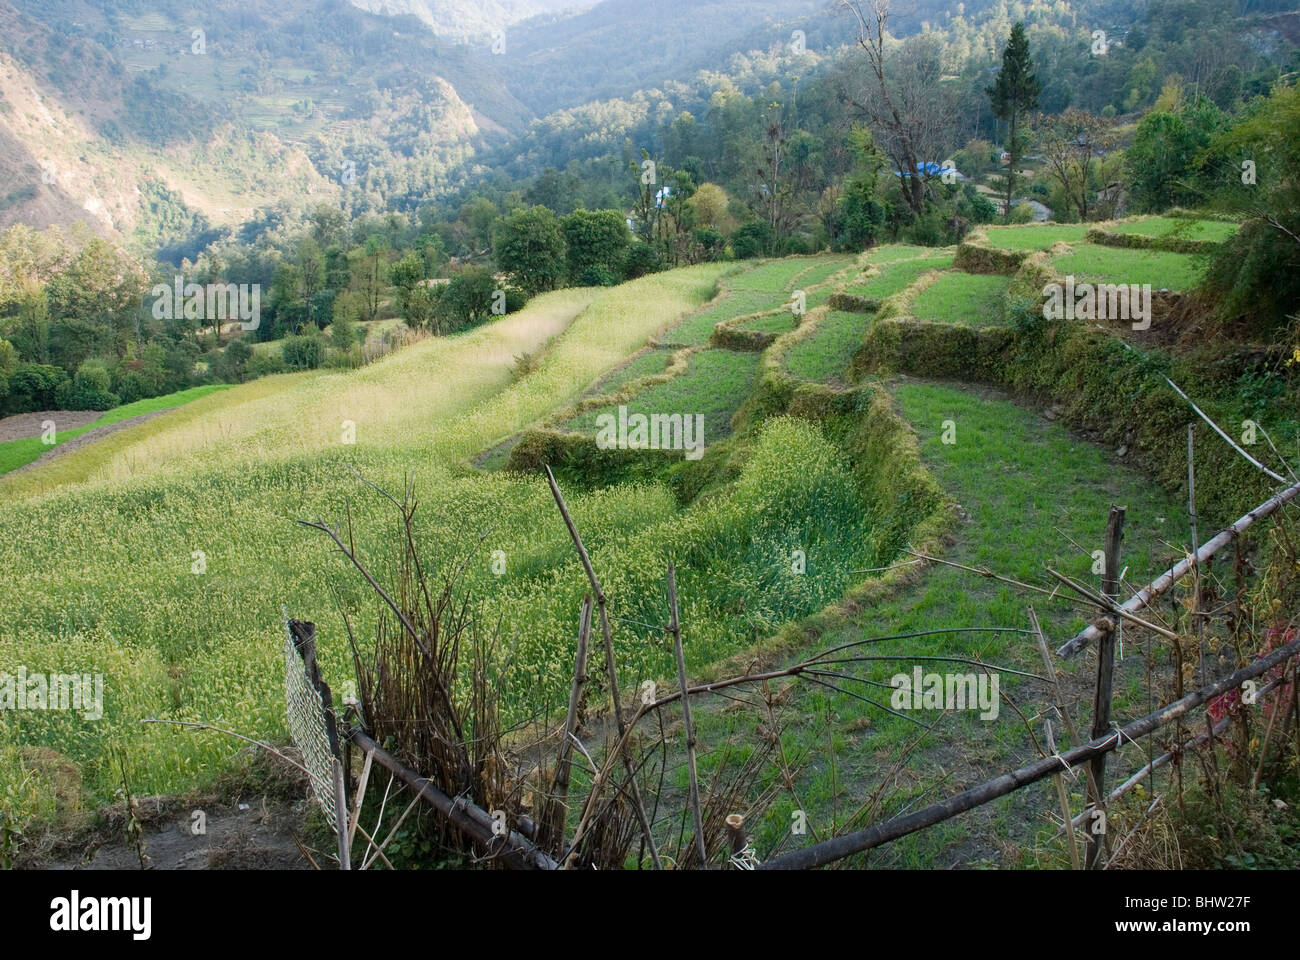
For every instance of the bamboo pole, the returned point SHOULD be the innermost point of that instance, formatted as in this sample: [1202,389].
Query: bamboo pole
[1063,798]
[611,668]
[563,768]
[1144,597]
[675,628]
[848,844]
[1069,726]
[459,812]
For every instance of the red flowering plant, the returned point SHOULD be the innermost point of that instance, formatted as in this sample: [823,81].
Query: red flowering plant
[1229,704]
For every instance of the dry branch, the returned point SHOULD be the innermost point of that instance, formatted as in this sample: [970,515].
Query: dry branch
[611,668]
[675,628]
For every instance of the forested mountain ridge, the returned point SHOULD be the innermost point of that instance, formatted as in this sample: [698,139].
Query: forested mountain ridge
[196,121]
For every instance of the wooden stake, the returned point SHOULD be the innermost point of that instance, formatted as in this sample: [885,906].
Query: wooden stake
[736,833]
[1105,684]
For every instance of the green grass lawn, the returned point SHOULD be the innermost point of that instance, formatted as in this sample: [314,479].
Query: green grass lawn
[17,453]
[963,299]
[715,383]
[1183,228]
[1160,268]
[897,276]
[824,355]
[1035,237]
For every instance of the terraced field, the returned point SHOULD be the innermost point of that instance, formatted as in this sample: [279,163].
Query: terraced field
[1184,228]
[824,356]
[1160,268]
[1035,237]
[715,384]
[191,525]
[965,299]
[896,276]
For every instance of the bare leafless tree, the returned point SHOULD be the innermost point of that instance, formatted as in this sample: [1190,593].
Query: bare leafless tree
[908,107]
[1072,143]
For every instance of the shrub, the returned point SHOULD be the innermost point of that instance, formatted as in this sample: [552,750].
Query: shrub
[302,352]
[597,275]
[32,387]
[640,260]
[751,240]
[235,361]
[88,390]
[1021,213]
[466,301]
[133,387]
[265,364]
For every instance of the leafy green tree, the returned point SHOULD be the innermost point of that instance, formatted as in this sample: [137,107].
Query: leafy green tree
[414,297]
[711,205]
[1162,163]
[311,278]
[1013,95]
[369,263]
[1256,165]
[860,215]
[1073,145]
[753,239]
[344,333]
[596,242]
[32,334]
[286,298]
[236,357]
[32,387]
[467,300]
[529,246]
[96,299]
[8,363]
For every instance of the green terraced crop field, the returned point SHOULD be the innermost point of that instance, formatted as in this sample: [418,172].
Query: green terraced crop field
[965,299]
[824,355]
[1160,268]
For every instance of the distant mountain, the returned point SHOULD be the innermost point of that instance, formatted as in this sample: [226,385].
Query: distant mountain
[163,122]
[466,19]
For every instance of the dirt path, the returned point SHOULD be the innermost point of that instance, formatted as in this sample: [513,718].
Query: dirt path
[90,436]
[23,425]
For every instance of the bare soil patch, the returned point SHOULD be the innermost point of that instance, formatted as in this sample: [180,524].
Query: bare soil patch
[23,425]
[90,436]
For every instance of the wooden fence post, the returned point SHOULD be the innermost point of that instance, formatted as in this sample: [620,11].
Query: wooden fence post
[1105,684]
